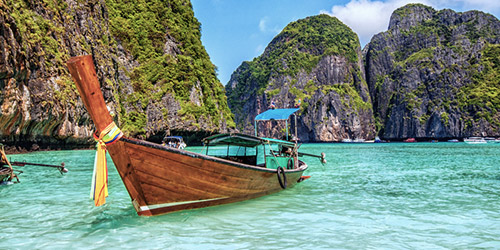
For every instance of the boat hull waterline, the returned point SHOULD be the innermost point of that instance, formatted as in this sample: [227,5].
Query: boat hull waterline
[162,179]
[173,180]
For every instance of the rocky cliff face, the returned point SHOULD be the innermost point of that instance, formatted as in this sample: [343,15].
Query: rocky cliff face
[434,74]
[154,81]
[317,61]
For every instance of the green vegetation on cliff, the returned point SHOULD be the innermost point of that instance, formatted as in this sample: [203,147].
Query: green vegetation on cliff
[315,61]
[177,68]
[40,42]
[162,62]
[299,47]
[40,31]
[482,96]
[442,73]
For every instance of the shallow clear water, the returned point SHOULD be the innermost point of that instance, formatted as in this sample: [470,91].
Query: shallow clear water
[368,196]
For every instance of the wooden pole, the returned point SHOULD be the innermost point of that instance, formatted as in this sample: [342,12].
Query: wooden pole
[83,71]
[61,167]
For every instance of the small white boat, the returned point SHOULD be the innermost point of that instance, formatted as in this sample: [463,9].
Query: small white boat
[353,140]
[492,140]
[174,142]
[475,140]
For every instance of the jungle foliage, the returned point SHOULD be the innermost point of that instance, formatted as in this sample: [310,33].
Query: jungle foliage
[143,28]
[298,47]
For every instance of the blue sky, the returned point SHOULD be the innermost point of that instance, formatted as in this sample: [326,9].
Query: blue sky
[234,31]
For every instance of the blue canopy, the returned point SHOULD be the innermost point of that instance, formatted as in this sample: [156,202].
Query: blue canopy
[275,114]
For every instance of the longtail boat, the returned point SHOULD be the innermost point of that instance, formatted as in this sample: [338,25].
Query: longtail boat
[162,179]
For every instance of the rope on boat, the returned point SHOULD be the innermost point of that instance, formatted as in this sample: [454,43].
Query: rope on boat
[109,135]
[99,188]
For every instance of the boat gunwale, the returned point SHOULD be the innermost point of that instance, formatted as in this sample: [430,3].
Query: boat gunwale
[207,157]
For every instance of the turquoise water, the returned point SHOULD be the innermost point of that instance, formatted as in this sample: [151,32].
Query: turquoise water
[368,196]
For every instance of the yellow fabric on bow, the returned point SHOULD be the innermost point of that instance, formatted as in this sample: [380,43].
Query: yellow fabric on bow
[99,189]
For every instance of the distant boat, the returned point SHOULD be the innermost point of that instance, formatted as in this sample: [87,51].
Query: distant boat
[410,140]
[453,140]
[174,142]
[492,140]
[353,141]
[475,140]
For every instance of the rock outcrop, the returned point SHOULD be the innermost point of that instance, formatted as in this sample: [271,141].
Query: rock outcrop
[434,74]
[317,61]
[155,74]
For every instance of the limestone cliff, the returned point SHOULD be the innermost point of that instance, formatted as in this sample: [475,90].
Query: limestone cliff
[434,74]
[316,60]
[155,74]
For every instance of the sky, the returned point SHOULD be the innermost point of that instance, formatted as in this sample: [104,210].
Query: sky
[234,31]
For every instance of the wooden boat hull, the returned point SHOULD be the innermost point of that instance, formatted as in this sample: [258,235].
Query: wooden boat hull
[166,179]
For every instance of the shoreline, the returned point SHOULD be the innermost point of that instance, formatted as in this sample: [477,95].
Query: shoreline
[30,147]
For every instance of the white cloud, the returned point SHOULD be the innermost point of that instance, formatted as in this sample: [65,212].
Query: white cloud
[367,17]
[262,24]
[265,28]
